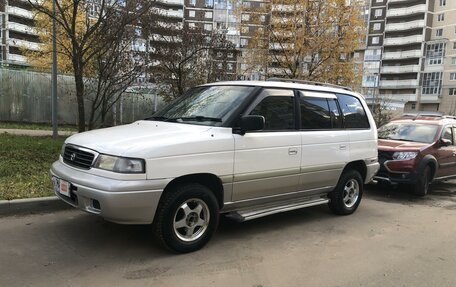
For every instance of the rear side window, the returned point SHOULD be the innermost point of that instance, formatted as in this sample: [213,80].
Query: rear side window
[315,113]
[277,108]
[354,114]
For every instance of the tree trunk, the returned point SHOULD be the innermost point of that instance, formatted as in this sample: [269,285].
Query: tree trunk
[79,81]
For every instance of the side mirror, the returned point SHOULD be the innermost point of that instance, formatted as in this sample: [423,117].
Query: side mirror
[251,123]
[445,142]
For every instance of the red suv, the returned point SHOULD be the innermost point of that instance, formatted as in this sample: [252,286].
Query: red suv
[416,149]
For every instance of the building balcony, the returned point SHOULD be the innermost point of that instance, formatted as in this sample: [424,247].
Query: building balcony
[171,13]
[17,59]
[401,55]
[397,12]
[172,2]
[403,40]
[399,1]
[19,12]
[400,69]
[24,44]
[430,98]
[404,26]
[398,83]
[399,98]
[21,28]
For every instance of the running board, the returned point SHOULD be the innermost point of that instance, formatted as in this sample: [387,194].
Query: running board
[249,214]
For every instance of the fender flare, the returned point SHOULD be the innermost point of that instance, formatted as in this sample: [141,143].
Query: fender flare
[427,160]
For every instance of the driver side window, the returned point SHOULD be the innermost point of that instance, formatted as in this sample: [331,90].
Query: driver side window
[277,108]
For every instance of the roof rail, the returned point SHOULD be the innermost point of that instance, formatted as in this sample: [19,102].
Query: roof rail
[309,83]
[425,114]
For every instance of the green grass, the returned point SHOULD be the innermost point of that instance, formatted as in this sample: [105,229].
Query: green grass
[24,165]
[32,126]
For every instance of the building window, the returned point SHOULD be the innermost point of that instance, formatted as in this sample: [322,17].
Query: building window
[435,53]
[453,61]
[452,76]
[442,2]
[230,55]
[378,12]
[439,32]
[230,66]
[208,27]
[244,42]
[208,15]
[370,81]
[441,17]
[452,92]
[191,25]
[191,13]
[432,83]
[191,2]
[209,3]
[263,18]
[377,26]
[375,40]
[372,55]
[245,29]
[245,17]
[378,1]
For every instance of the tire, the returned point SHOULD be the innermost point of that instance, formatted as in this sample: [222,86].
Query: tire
[186,218]
[421,187]
[345,198]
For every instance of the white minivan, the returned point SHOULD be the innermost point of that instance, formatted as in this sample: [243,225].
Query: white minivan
[244,149]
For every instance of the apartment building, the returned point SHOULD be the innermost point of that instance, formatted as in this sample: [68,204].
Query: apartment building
[408,59]
[16,32]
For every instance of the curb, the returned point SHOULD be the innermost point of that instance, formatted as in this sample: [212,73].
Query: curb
[31,205]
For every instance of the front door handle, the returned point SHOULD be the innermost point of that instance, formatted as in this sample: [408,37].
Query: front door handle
[342,147]
[292,151]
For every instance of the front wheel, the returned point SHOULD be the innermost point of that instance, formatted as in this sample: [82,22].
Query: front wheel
[345,198]
[186,218]
[422,184]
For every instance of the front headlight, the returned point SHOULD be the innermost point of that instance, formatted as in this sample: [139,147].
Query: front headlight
[120,164]
[404,155]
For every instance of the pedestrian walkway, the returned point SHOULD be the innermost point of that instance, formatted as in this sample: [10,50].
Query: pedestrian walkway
[37,133]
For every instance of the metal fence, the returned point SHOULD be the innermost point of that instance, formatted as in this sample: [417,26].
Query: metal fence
[25,96]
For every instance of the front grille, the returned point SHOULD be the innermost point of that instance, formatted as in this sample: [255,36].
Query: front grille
[78,158]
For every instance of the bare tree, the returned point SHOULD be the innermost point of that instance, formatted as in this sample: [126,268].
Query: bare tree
[184,57]
[117,68]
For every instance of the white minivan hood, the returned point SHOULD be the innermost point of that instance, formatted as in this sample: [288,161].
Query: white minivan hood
[139,138]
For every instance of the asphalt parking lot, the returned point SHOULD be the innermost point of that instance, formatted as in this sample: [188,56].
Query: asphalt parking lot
[394,239]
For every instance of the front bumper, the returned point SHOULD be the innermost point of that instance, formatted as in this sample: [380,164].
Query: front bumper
[120,201]
[371,170]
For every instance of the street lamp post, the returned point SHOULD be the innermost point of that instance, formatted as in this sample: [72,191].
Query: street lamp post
[54,74]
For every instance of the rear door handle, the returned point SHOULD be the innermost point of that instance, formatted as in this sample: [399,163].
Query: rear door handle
[292,151]
[342,146]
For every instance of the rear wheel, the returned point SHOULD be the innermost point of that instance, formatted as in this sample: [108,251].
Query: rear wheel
[345,198]
[187,218]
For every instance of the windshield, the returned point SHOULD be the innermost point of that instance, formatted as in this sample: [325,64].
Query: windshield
[210,105]
[408,132]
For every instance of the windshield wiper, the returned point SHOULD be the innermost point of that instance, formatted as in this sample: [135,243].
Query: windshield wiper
[195,118]
[156,118]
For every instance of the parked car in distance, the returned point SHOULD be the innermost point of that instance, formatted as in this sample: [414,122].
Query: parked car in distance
[416,149]
[245,149]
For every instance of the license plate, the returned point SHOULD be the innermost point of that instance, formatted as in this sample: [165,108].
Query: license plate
[61,186]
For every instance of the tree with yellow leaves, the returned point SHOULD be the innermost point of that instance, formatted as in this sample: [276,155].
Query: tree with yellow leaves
[310,39]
